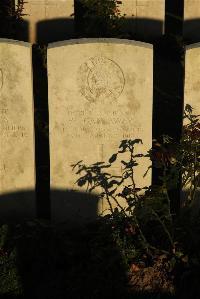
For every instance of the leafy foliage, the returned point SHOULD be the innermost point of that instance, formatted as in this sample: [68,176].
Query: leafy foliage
[145,224]
[144,204]
[190,153]
[10,17]
[101,18]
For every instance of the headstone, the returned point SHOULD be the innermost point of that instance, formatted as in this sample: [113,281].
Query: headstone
[144,18]
[192,77]
[100,92]
[192,96]
[191,25]
[17,164]
[49,20]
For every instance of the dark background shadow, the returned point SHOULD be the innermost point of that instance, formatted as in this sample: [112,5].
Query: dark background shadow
[54,30]
[174,12]
[11,26]
[62,261]
[143,29]
[17,206]
[191,31]
[60,29]
[22,31]
[67,206]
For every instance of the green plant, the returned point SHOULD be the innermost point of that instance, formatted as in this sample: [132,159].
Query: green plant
[190,153]
[180,162]
[144,205]
[10,16]
[101,18]
[145,230]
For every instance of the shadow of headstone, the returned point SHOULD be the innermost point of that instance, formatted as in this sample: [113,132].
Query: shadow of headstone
[54,30]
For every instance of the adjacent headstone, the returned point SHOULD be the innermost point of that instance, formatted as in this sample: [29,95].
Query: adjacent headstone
[100,92]
[17,166]
[192,77]
[192,94]
[144,18]
[49,20]
[191,25]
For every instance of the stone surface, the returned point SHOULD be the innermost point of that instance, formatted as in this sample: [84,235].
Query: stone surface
[144,18]
[100,92]
[17,164]
[192,77]
[191,28]
[49,20]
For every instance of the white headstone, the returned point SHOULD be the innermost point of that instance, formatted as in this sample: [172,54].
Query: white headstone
[17,163]
[192,77]
[100,92]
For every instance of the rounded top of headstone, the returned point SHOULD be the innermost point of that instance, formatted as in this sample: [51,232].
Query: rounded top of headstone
[15,42]
[99,40]
[193,46]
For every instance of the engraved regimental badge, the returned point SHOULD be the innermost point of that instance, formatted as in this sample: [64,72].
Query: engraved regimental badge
[100,78]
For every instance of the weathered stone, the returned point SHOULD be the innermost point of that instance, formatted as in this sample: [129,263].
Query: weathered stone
[192,77]
[100,92]
[17,163]
[49,20]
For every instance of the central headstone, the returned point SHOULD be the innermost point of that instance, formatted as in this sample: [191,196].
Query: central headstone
[100,92]
[17,163]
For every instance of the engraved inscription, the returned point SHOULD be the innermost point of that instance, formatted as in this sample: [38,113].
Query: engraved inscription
[8,129]
[82,124]
[100,78]
[1,78]
[2,167]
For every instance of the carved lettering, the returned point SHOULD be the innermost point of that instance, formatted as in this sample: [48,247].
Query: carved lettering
[2,167]
[15,131]
[1,78]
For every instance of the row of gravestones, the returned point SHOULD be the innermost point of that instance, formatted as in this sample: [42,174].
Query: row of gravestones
[53,20]
[100,91]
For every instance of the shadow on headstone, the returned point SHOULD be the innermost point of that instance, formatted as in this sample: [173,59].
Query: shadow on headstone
[137,28]
[17,31]
[22,31]
[191,31]
[54,30]
[141,29]
[50,261]
[68,206]
[17,206]
[40,89]
[11,26]
[74,207]
[168,101]
[174,10]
